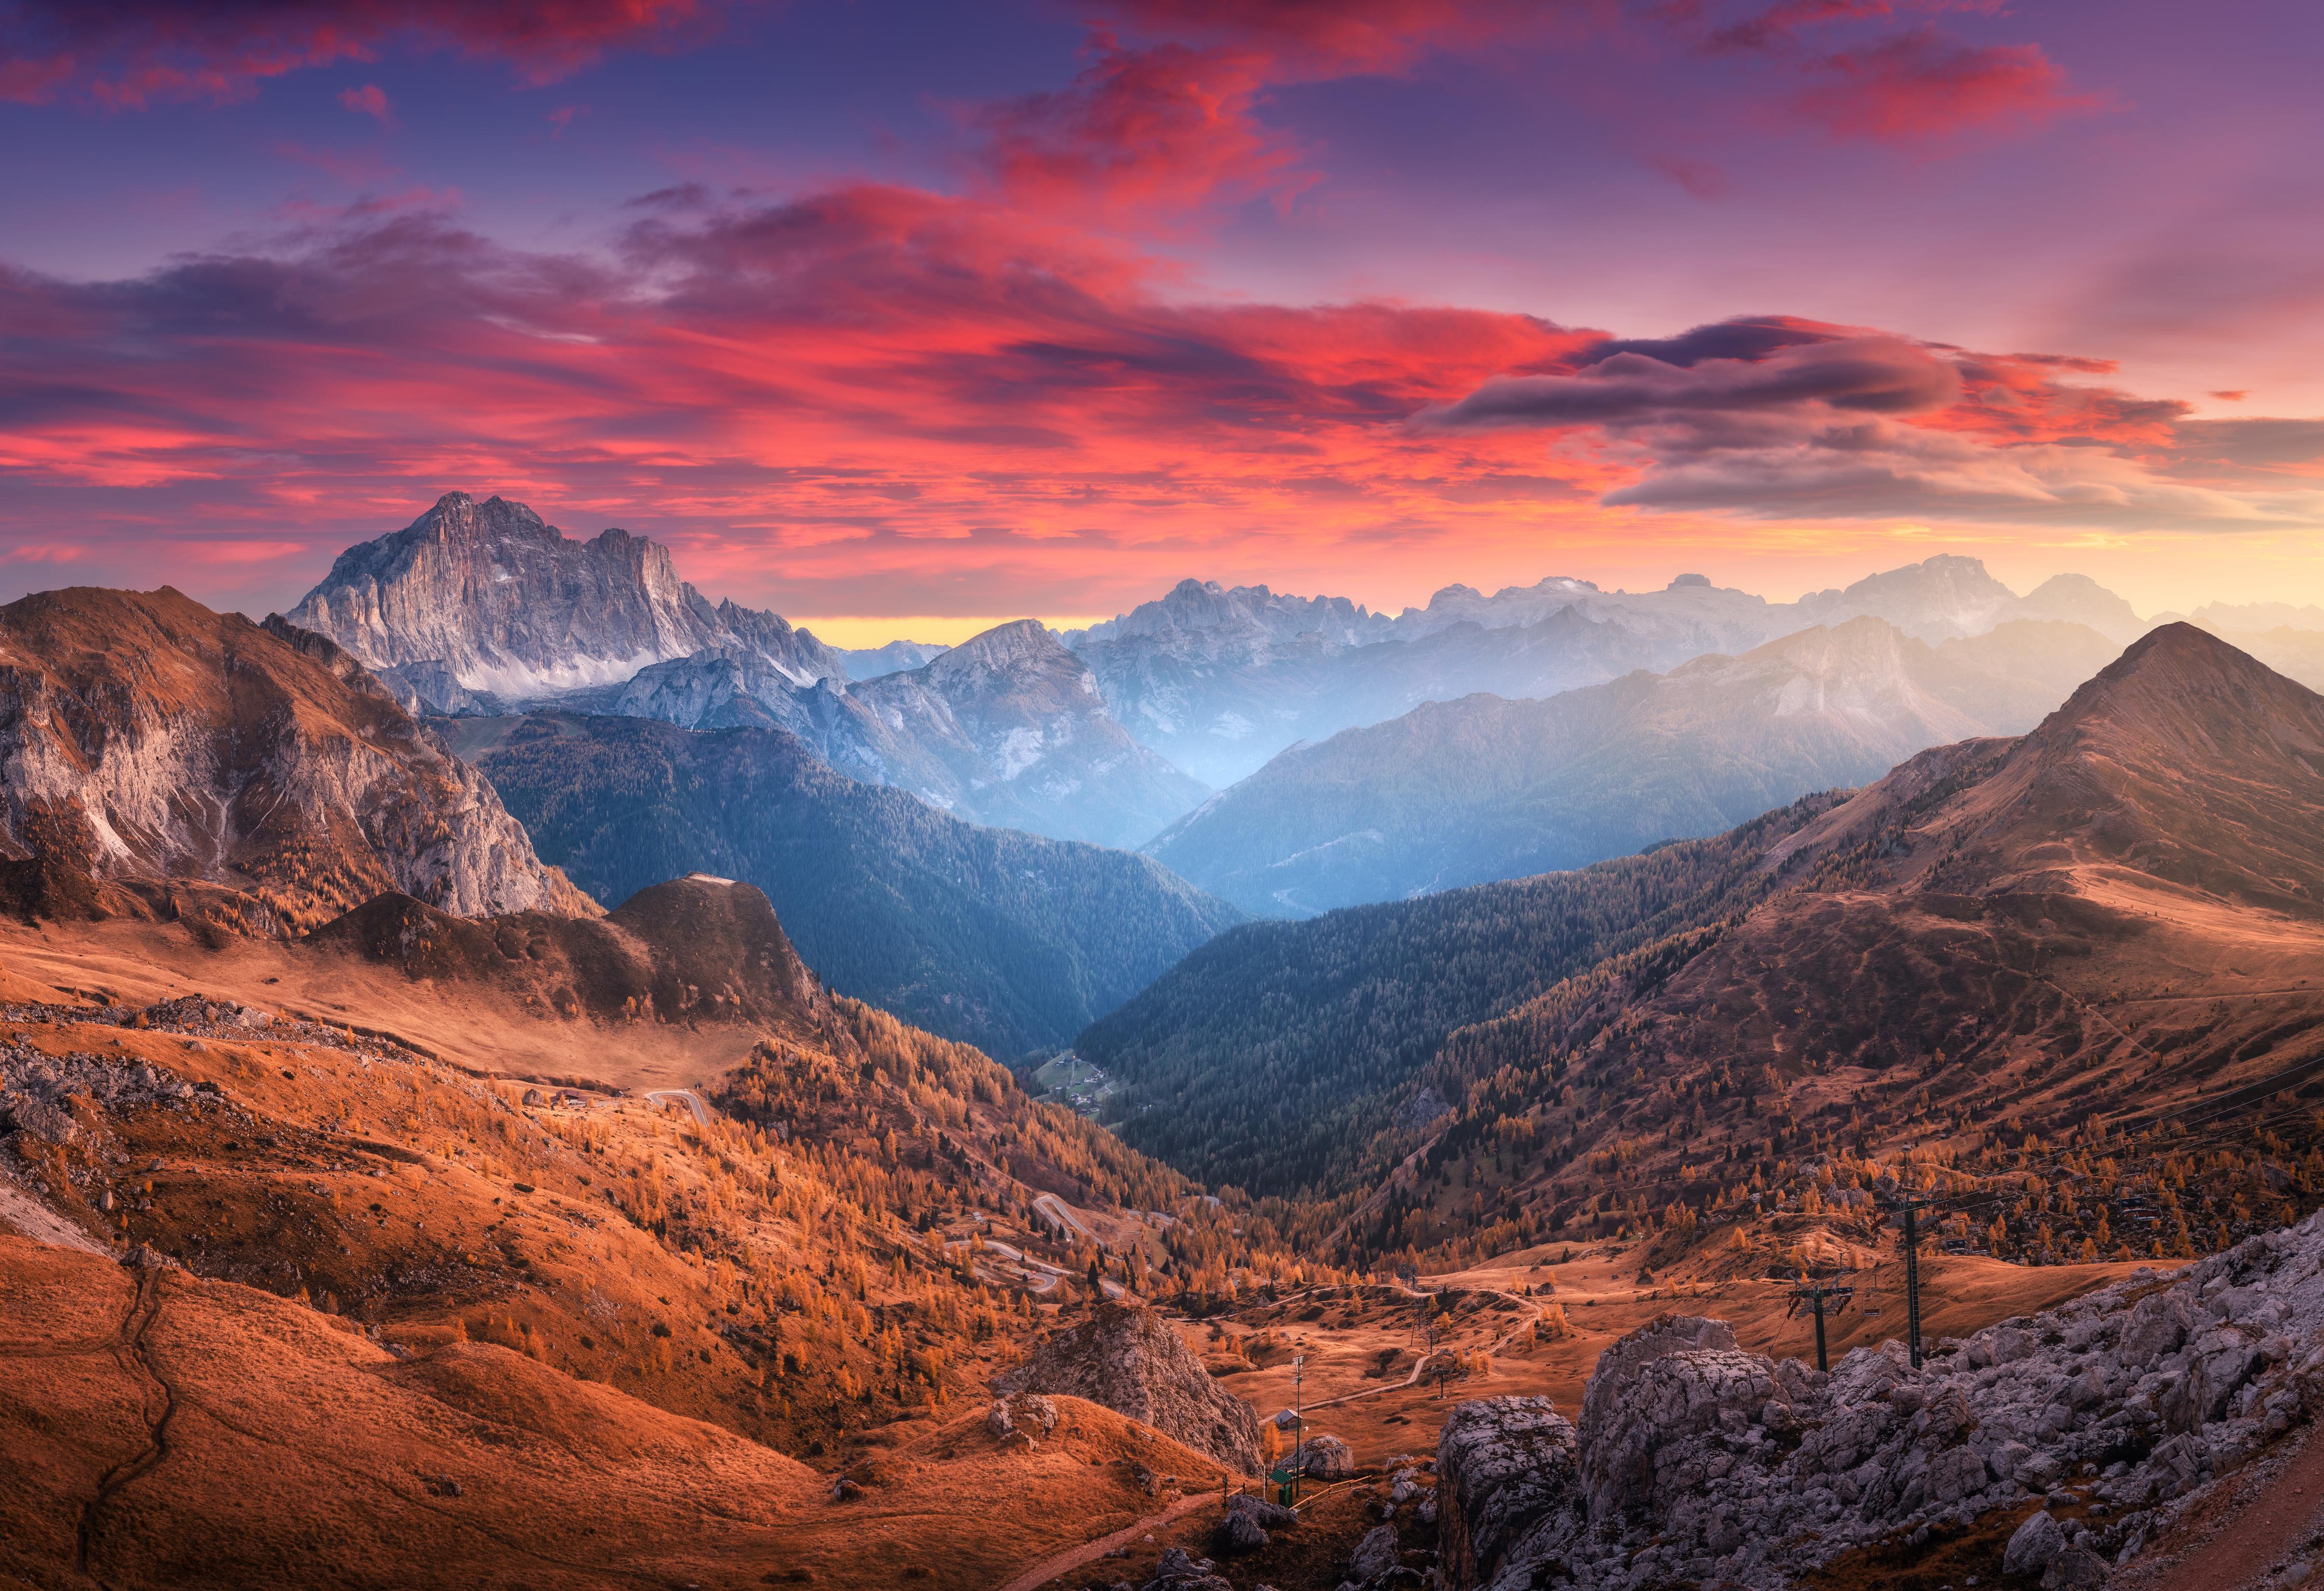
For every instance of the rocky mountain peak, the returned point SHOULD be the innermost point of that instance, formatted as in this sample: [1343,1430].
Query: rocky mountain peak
[457,517]
[2184,687]
[2083,601]
[1001,647]
[487,596]
[1939,596]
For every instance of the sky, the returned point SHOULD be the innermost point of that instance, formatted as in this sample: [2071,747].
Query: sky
[905,317]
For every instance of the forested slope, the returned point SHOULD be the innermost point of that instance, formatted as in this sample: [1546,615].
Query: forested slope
[995,937]
[1270,1058]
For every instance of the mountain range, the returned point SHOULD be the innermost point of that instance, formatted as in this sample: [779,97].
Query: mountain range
[1003,939]
[373,1206]
[482,607]
[1484,788]
[1221,680]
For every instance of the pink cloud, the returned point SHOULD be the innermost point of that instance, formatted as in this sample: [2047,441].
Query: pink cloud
[370,100]
[1142,133]
[132,52]
[1921,87]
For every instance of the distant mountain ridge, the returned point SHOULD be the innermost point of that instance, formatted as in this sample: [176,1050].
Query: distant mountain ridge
[1219,680]
[1483,788]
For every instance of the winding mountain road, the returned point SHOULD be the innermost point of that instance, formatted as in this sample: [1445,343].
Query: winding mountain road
[692,1102]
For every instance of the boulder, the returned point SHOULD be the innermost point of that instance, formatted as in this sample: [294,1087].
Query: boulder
[1376,1554]
[2033,1545]
[1503,1465]
[1175,1571]
[2076,1568]
[1267,1516]
[1323,1458]
[1238,1533]
[1665,1403]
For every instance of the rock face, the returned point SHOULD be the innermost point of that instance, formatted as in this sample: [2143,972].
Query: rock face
[1696,1461]
[1503,1465]
[157,758]
[1130,1360]
[488,598]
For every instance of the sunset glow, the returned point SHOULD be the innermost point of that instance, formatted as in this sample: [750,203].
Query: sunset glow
[912,319]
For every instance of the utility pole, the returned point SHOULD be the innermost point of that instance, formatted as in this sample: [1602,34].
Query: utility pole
[1815,1293]
[1299,1419]
[1912,1207]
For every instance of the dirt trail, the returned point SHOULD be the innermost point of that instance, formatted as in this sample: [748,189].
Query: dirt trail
[129,1348]
[2241,1537]
[1073,1557]
[1421,1365]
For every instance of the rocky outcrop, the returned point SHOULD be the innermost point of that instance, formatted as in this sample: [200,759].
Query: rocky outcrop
[157,758]
[1698,1461]
[696,950]
[1503,1465]
[500,601]
[1130,1360]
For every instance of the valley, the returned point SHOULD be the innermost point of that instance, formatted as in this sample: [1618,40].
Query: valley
[404,1121]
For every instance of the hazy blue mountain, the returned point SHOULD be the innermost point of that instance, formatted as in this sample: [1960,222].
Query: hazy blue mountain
[1003,939]
[868,662]
[1484,788]
[1219,680]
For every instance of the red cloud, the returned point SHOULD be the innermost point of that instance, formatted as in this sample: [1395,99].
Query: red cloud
[133,51]
[895,385]
[1141,132]
[1921,85]
[1333,37]
[1162,125]
[370,100]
